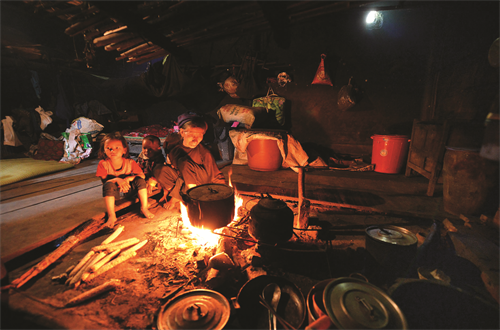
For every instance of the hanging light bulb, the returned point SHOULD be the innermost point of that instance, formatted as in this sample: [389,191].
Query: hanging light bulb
[374,20]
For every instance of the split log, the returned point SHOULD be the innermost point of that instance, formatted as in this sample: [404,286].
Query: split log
[124,45]
[120,244]
[113,38]
[302,221]
[104,260]
[111,264]
[115,234]
[121,28]
[110,285]
[85,270]
[82,25]
[137,50]
[100,30]
[92,228]
[82,262]
[147,53]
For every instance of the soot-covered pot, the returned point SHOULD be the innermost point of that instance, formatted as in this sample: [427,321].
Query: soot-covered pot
[271,221]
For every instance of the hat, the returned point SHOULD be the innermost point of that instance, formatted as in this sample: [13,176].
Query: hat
[185,117]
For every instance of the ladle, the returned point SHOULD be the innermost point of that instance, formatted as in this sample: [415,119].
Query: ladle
[272,294]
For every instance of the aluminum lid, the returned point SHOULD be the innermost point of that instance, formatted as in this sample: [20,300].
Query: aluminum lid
[355,304]
[196,309]
[210,192]
[392,235]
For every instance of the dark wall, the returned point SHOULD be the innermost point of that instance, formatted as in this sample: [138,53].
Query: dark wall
[428,61]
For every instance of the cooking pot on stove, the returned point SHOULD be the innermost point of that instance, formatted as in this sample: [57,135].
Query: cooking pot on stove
[210,206]
[271,221]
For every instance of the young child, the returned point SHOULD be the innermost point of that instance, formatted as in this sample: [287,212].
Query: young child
[119,173]
[191,164]
[150,157]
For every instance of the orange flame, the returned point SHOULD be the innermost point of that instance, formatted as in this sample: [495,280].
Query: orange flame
[205,237]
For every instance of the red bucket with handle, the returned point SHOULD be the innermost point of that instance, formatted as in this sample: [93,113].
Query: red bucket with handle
[389,152]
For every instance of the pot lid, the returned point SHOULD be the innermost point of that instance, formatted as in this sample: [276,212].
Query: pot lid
[210,192]
[272,204]
[392,235]
[196,309]
[355,304]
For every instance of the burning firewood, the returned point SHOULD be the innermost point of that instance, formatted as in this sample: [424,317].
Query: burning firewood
[110,285]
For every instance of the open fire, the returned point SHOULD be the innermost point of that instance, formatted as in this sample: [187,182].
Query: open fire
[206,237]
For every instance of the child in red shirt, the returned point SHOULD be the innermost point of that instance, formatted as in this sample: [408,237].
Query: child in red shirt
[120,174]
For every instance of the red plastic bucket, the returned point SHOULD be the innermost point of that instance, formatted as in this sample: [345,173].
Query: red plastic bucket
[389,152]
[264,155]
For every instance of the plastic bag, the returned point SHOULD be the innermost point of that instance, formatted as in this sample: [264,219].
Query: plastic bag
[272,102]
[239,113]
[86,125]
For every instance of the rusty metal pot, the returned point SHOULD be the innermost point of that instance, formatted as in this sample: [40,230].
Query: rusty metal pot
[195,309]
[271,221]
[210,206]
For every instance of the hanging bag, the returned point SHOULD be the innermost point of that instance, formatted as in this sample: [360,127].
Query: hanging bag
[272,102]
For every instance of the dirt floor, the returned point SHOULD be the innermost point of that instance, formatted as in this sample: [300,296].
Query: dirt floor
[172,257]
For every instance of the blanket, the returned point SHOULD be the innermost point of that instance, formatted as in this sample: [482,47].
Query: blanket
[14,170]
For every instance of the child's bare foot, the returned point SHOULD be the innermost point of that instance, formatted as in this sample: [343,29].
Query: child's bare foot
[147,214]
[111,221]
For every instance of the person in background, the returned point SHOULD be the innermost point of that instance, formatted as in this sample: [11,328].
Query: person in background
[120,174]
[150,157]
[189,163]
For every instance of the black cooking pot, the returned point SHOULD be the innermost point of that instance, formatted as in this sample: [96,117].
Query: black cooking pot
[271,221]
[210,206]
[252,315]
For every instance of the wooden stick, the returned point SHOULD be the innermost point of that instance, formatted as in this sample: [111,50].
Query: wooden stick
[137,246]
[112,38]
[81,263]
[111,237]
[82,270]
[120,244]
[86,272]
[110,285]
[104,260]
[111,264]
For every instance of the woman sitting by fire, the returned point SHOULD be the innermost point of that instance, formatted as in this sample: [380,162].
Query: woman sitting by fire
[189,163]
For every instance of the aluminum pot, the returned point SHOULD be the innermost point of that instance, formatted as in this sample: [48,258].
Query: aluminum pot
[195,309]
[392,247]
[351,303]
[271,221]
[210,206]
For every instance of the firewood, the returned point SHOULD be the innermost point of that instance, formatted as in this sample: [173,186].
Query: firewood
[85,268]
[115,234]
[81,263]
[93,227]
[110,265]
[121,28]
[86,271]
[110,285]
[137,246]
[215,278]
[112,38]
[117,245]
[104,260]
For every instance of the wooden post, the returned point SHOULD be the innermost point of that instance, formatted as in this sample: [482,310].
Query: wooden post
[301,220]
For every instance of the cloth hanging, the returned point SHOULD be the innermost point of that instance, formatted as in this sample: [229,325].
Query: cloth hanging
[9,135]
[45,119]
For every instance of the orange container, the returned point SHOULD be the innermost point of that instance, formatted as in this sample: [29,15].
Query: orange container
[264,155]
[389,152]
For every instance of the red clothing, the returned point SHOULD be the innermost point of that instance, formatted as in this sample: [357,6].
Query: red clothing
[106,171]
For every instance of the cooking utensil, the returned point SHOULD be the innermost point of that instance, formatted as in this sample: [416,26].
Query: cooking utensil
[252,315]
[392,247]
[283,322]
[210,206]
[271,221]
[272,294]
[196,309]
[356,304]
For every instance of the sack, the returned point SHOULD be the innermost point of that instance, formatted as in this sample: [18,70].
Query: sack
[86,125]
[272,102]
[239,113]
